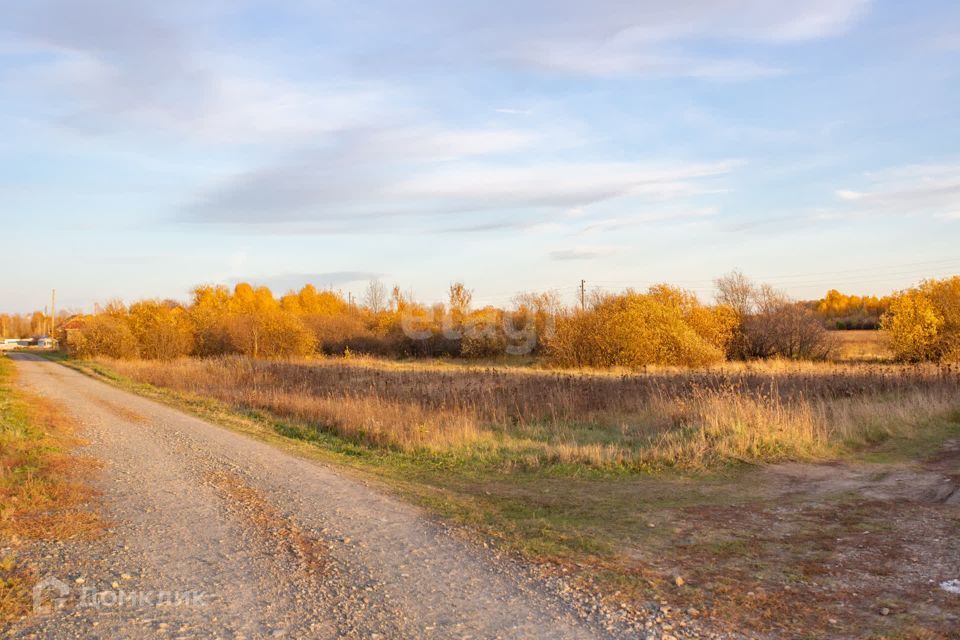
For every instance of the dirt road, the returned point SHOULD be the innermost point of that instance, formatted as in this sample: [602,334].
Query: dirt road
[214,534]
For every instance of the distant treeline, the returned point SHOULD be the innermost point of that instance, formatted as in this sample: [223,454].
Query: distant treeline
[842,311]
[663,325]
[27,325]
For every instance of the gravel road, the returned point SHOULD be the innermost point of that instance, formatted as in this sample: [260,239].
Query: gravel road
[214,534]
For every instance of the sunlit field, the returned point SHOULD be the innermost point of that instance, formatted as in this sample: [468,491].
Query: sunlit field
[683,418]
[862,346]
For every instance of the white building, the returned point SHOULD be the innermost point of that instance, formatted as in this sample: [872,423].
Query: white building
[8,344]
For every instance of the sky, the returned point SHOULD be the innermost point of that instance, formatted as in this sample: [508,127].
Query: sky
[148,147]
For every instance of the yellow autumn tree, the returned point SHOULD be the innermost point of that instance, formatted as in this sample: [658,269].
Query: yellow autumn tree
[944,295]
[913,324]
[162,329]
[716,324]
[208,313]
[336,325]
[258,326]
[105,334]
[634,330]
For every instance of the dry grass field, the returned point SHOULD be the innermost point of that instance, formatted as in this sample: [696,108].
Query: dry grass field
[862,346]
[688,419]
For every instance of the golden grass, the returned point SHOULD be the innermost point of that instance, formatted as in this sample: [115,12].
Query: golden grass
[685,418]
[862,346]
[41,493]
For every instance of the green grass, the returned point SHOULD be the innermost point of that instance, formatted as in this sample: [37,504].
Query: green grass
[924,443]
[41,489]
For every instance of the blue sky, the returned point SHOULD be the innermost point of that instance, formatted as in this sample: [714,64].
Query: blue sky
[147,147]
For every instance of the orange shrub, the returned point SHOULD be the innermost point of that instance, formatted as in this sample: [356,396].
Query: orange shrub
[666,326]
[105,334]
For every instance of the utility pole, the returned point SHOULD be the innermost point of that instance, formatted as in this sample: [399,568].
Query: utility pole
[583,295]
[53,311]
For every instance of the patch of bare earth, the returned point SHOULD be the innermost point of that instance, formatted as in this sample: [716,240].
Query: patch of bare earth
[833,551]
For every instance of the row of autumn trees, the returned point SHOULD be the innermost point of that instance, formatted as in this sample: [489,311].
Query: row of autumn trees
[252,321]
[670,326]
[27,325]
[663,325]
[843,311]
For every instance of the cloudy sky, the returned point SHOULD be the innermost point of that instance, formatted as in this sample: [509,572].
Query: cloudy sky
[146,147]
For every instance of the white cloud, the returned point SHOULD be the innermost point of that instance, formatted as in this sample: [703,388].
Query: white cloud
[667,214]
[176,73]
[613,58]
[795,21]
[356,172]
[603,37]
[176,68]
[563,185]
[412,174]
[224,102]
[333,138]
[450,143]
[584,252]
[656,38]
[244,109]
[920,189]
[847,194]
